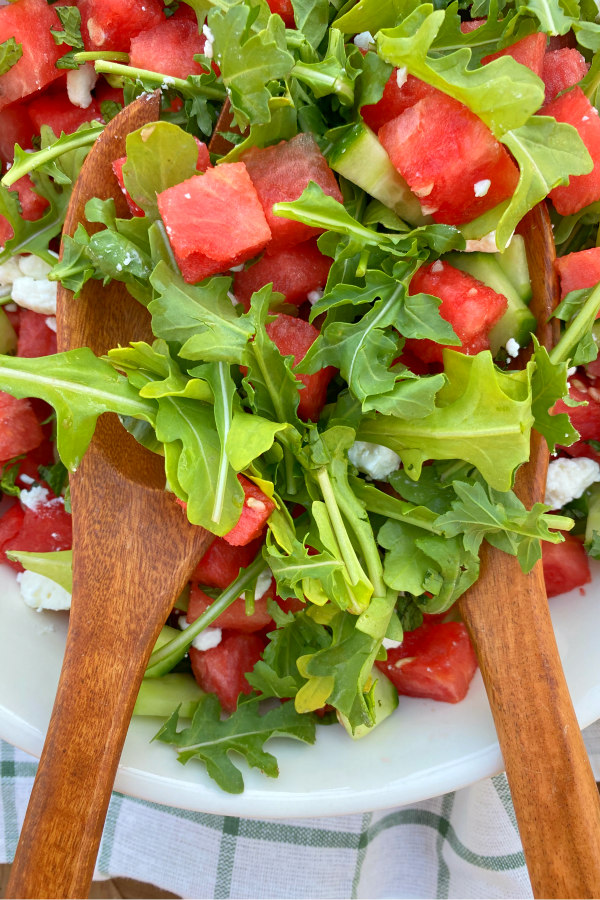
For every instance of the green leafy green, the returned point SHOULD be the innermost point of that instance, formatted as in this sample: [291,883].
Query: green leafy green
[10,53]
[70,19]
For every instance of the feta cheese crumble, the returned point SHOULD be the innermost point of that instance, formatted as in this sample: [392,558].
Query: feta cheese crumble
[389,644]
[437,266]
[207,639]
[375,460]
[486,244]
[40,592]
[263,583]
[364,40]
[401,76]
[568,478]
[314,296]
[482,187]
[35,294]
[34,498]
[79,85]
[210,40]
[512,348]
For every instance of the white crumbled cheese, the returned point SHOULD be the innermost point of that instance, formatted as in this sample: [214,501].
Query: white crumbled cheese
[401,76]
[26,479]
[568,479]
[34,498]
[263,583]
[376,461]
[512,348]
[486,244]
[34,294]
[207,639]
[389,644]
[438,266]
[189,197]
[314,296]
[482,187]
[79,85]
[50,322]
[10,307]
[233,298]
[40,592]
[33,266]
[9,271]
[571,371]
[239,268]
[210,40]
[364,40]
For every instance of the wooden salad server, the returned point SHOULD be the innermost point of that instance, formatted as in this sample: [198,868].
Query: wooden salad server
[555,797]
[133,552]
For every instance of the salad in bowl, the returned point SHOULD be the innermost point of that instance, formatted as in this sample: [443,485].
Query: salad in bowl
[325,226]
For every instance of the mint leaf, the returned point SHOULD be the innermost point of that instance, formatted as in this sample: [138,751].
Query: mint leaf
[70,19]
[10,53]
[211,739]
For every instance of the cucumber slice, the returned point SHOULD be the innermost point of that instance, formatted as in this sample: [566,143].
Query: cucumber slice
[386,701]
[357,155]
[514,264]
[518,321]
[8,338]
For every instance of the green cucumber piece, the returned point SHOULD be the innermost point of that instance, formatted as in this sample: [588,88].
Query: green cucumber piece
[357,155]
[160,696]
[8,337]
[514,263]
[386,700]
[518,321]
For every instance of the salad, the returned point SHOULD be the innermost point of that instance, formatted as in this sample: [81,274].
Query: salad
[343,380]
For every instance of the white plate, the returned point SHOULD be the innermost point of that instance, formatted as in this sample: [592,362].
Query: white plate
[423,750]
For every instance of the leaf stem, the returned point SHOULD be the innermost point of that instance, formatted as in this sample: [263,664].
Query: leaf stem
[348,554]
[582,323]
[62,145]
[94,55]
[167,656]
[106,67]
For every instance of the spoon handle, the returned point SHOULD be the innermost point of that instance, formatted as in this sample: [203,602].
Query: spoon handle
[555,797]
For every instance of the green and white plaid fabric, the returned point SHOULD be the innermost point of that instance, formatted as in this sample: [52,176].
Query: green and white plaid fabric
[463,844]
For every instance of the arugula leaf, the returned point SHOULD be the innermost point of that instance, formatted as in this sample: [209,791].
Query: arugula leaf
[334,74]
[80,387]
[549,384]
[56,565]
[370,15]
[8,477]
[70,19]
[550,15]
[249,62]
[211,739]
[504,94]
[10,53]
[311,18]
[249,437]
[482,416]
[409,399]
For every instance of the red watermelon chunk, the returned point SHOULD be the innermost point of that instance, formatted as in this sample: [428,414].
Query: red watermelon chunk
[169,47]
[449,159]
[565,565]
[214,221]
[35,337]
[20,430]
[471,307]
[436,661]
[585,419]
[222,562]
[575,109]
[293,337]
[11,521]
[46,525]
[117,168]
[29,22]
[256,510]
[294,271]
[284,9]
[529,51]
[222,670]
[235,615]
[15,128]
[57,111]
[400,92]
[32,207]
[471,25]
[111,24]
[578,270]
[562,69]
[280,174]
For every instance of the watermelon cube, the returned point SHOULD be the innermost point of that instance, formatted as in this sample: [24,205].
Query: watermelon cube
[471,307]
[293,337]
[449,159]
[436,661]
[400,92]
[235,615]
[32,207]
[562,69]
[20,430]
[565,565]
[35,337]
[578,270]
[280,174]
[56,110]
[29,22]
[284,9]
[111,24]
[575,109]
[222,669]
[46,525]
[294,272]
[11,521]
[222,562]
[169,47]
[15,128]
[471,25]
[214,221]
[529,51]
[117,168]
[256,509]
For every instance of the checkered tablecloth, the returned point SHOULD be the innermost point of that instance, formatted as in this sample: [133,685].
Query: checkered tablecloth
[463,844]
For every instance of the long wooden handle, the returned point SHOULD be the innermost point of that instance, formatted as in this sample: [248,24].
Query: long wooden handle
[108,644]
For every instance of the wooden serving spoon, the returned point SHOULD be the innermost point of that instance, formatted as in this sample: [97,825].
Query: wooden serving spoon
[555,797]
[133,552]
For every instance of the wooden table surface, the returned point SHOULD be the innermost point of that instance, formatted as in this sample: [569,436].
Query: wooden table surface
[108,890]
